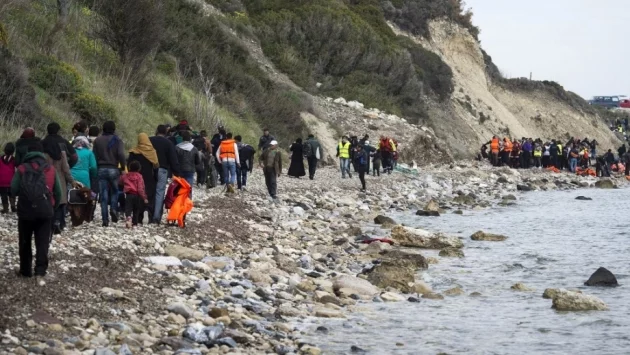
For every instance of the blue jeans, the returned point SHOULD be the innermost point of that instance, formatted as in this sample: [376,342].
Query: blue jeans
[573,164]
[160,191]
[344,165]
[108,185]
[229,172]
[190,178]
[241,176]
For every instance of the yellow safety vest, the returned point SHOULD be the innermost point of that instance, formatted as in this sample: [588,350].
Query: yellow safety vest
[537,153]
[344,150]
[559,149]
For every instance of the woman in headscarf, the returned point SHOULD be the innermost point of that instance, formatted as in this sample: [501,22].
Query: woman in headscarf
[145,154]
[85,170]
[21,146]
[296,168]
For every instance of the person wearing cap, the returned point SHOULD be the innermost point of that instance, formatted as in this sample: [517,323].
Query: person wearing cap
[265,140]
[343,153]
[271,163]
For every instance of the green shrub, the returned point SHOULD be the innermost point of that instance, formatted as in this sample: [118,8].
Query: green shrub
[58,78]
[93,108]
[17,97]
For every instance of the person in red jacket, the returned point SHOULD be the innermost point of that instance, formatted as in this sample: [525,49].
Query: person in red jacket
[7,170]
[135,195]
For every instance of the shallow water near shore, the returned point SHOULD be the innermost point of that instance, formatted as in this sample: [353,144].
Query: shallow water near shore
[554,241]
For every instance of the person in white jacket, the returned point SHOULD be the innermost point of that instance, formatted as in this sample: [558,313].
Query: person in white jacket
[227,156]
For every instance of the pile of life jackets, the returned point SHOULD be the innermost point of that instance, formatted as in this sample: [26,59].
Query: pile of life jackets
[619,167]
[553,169]
[585,172]
[177,201]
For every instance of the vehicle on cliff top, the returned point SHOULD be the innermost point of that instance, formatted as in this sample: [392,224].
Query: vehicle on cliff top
[610,101]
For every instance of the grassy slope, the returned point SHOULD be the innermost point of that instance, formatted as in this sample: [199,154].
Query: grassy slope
[137,109]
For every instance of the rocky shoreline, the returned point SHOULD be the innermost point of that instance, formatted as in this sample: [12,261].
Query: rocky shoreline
[246,270]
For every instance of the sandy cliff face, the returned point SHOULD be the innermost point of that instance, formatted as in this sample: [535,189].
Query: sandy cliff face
[481,108]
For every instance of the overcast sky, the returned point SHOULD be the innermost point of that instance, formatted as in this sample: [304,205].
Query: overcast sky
[582,44]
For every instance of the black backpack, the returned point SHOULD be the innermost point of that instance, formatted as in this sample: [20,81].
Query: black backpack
[35,199]
[307,148]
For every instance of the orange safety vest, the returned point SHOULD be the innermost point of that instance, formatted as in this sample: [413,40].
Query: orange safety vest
[182,204]
[227,149]
[508,146]
[494,145]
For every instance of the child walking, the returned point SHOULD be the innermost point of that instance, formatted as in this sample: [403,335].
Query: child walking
[136,196]
[7,170]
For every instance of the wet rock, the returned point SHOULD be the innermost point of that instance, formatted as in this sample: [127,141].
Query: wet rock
[432,206]
[357,350]
[322,330]
[475,294]
[181,309]
[523,188]
[465,199]
[310,350]
[347,285]
[417,260]
[413,299]
[488,237]
[427,213]
[602,277]
[564,300]
[583,198]
[433,296]
[509,198]
[422,288]
[392,297]
[182,252]
[455,291]
[519,286]
[459,212]
[418,238]
[433,260]
[398,275]
[451,253]
[605,184]
[328,313]
[384,220]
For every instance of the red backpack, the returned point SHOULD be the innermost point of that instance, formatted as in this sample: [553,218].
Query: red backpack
[171,195]
[385,145]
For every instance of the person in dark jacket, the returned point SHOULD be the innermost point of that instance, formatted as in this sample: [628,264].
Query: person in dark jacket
[216,143]
[146,156]
[188,157]
[27,139]
[361,158]
[109,151]
[168,164]
[54,145]
[246,154]
[271,163]
[296,168]
[202,143]
[622,150]
[265,140]
[27,224]
[313,154]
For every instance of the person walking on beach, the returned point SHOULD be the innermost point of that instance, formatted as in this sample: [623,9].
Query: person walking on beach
[38,189]
[145,155]
[361,159]
[265,140]
[296,167]
[246,157]
[343,152]
[168,164]
[109,151]
[135,193]
[188,157]
[271,163]
[227,155]
[312,153]
[7,171]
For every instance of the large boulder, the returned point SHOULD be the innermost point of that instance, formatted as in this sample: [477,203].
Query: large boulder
[432,206]
[523,188]
[399,275]
[605,184]
[182,252]
[602,277]
[384,220]
[348,285]
[417,260]
[488,237]
[418,238]
[564,300]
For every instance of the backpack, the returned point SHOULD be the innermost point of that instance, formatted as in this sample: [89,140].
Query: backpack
[171,195]
[308,149]
[35,200]
[385,145]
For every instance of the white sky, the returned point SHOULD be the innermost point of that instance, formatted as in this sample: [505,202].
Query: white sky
[582,44]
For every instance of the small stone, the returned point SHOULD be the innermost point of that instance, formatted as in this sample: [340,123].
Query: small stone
[520,287]
[310,350]
[216,312]
[181,309]
[455,291]
[413,299]
[55,327]
[391,297]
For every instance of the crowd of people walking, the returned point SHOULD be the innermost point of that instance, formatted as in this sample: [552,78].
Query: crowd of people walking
[576,155]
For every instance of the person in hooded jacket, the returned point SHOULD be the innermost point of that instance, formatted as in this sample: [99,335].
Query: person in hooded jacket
[246,155]
[188,157]
[109,151]
[147,157]
[27,139]
[216,142]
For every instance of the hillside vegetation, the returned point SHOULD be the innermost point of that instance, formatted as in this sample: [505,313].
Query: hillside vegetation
[146,62]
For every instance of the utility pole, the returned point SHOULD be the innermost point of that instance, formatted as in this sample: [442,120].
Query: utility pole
[530,76]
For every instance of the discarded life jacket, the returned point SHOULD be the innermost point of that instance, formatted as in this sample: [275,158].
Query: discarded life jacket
[553,169]
[178,201]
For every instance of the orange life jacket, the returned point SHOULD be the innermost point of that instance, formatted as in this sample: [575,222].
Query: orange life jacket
[508,146]
[227,149]
[494,145]
[182,204]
